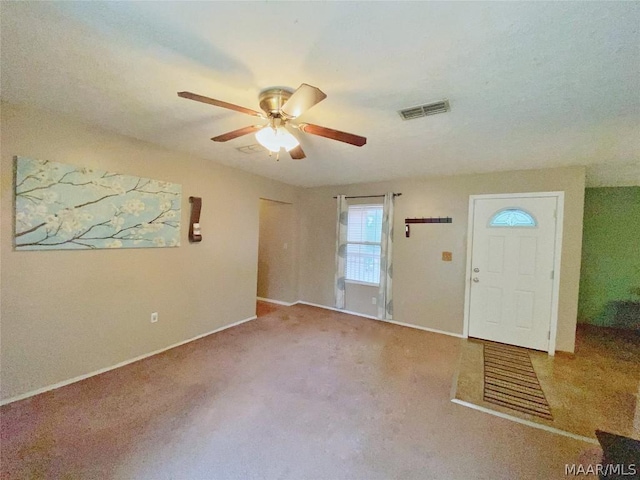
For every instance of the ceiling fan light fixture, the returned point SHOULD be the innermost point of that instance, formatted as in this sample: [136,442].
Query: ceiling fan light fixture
[273,139]
[280,105]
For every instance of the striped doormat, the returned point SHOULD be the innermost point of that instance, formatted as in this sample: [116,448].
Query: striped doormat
[510,381]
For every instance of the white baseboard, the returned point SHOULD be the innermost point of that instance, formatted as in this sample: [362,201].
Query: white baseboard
[526,422]
[118,365]
[348,312]
[426,329]
[409,325]
[277,302]
[150,354]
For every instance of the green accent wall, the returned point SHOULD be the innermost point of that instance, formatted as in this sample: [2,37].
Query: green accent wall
[610,273]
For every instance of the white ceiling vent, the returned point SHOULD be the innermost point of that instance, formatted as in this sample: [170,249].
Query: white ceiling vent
[424,110]
[253,148]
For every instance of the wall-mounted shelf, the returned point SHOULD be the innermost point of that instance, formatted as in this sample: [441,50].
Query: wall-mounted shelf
[408,221]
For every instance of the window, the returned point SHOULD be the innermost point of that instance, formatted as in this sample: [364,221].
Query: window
[512,217]
[364,234]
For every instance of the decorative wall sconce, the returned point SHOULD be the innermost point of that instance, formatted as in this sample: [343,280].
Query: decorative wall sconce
[194,223]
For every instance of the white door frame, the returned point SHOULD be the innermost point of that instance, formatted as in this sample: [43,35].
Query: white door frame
[553,327]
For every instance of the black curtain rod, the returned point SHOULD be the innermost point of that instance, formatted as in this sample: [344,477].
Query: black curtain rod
[372,196]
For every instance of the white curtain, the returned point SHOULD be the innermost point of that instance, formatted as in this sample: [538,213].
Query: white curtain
[342,215]
[385,295]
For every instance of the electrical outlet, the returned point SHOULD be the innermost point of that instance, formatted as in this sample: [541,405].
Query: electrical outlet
[374,300]
[446,256]
[154,317]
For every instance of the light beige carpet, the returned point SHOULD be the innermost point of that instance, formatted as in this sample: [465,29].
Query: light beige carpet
[300,393]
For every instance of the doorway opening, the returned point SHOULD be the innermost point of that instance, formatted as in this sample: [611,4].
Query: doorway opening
[277,243]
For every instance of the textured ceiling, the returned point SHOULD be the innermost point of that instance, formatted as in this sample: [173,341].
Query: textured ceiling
[531,85]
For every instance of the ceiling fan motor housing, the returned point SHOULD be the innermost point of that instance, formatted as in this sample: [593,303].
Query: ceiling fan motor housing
[272,100]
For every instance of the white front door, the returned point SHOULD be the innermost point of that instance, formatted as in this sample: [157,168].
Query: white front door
[512,262]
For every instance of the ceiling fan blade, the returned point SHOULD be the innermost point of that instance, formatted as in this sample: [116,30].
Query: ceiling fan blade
[219,103]
[237,133]
[297,153]
[302,100]
[345,137]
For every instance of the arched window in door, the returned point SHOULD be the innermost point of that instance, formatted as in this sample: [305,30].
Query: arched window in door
[512,217]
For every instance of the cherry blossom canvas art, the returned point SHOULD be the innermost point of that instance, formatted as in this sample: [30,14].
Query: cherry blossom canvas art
[60,206]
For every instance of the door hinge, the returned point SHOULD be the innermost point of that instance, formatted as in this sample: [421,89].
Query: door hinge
[551,274]
[549,335]
[555,214]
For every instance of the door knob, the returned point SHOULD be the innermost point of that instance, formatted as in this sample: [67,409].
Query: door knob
[476,279]
[476,269]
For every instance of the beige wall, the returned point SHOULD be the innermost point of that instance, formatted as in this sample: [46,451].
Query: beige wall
[277,252]
[427,291]
[68,313]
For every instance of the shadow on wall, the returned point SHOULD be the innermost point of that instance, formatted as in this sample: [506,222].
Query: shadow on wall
[620,314]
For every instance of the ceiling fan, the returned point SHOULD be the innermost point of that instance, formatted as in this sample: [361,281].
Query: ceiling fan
[280,106]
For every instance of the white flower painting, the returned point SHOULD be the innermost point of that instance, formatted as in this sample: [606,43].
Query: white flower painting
[61,206]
